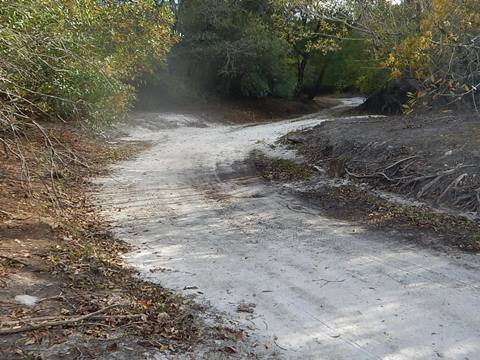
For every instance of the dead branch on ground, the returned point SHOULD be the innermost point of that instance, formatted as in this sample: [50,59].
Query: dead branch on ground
[443,186]
[54,323]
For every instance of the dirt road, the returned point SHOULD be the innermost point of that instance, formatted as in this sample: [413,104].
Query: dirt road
[318,288]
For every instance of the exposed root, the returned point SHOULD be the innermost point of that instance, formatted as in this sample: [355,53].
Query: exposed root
[451,186]
[437,184]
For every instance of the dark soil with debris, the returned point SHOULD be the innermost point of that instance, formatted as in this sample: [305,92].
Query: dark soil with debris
[407,223]
[64,290]
[434,158]
[432,161]
[356,204]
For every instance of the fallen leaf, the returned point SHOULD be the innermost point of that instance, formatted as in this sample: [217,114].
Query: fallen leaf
[239,336]
[244,307]
[30,341]
[112,347]
[229,350]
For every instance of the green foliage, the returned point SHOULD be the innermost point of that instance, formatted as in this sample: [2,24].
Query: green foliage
[254,84]
[431,46]
[77,59]
[354,68]
[229,46]
[307,27]
[268,47]
[270,72]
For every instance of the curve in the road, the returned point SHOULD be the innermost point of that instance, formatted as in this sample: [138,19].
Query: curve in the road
[322,288]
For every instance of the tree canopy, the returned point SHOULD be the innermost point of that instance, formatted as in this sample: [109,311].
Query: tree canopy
[253,48]
[87,58]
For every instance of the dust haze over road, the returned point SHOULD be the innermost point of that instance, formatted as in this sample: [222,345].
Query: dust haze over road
[202,224]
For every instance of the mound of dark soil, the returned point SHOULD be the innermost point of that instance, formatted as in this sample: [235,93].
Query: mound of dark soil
[389,101]
[434,158]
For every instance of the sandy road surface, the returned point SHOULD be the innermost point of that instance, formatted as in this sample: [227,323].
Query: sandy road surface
[322,289]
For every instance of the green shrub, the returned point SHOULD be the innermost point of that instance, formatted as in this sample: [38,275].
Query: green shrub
[352,68]
[77,59]
[229,47]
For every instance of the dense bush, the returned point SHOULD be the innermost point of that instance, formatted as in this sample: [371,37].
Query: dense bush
[431,45]
[228,47]
[353,68]
[310,30]
[77,59]
[443,56]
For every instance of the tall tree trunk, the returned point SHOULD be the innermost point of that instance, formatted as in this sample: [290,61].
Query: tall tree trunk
[302,65]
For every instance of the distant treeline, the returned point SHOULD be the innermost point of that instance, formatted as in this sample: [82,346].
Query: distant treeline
[87,59]
[270,48]
[425,52]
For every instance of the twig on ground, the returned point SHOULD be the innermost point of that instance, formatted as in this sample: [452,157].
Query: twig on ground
[55,323]
[452,185]
[48,318]
[382,171]
[281,347]
[8,258]
[6,213]
[431,183]
[326,282]
[401,161]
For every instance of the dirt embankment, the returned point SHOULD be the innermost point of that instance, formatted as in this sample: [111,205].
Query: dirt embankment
[64,290]
[432,159]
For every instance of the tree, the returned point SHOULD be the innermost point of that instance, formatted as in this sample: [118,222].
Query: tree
[353,68]
[442,57]
[77,59]
[308,26]
[433,45]
[229,46]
